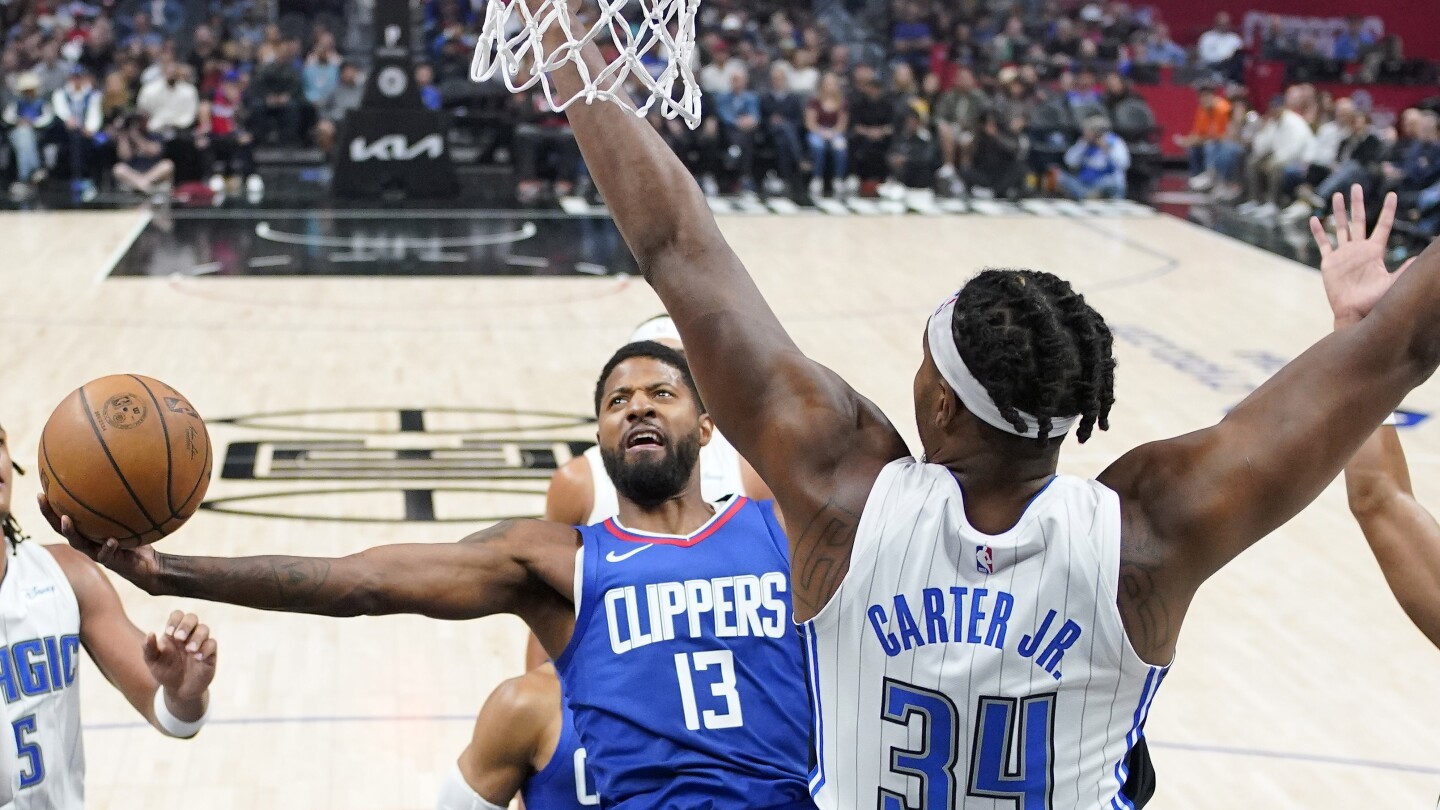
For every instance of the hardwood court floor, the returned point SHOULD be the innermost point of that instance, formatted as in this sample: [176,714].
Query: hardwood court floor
[1299,682]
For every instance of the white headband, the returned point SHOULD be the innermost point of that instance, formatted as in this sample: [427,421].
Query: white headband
[971,393]
[659,328]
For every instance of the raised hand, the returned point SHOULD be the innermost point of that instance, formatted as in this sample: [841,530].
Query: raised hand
[136,563]
[182,658]
[1353,270]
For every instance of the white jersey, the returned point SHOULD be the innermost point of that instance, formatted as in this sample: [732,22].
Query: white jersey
[956,669]
[719,476]
[39,679]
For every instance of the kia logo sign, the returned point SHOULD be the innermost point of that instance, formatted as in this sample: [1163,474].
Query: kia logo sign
[396,147]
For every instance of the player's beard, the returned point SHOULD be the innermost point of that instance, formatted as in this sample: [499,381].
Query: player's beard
[651,482]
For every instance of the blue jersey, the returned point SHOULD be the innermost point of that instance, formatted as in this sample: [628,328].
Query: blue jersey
[563,784]
[685,673]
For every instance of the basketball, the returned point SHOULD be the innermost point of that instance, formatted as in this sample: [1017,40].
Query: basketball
[127,457]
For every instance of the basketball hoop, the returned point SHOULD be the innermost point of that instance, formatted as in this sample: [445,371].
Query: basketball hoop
[656,44]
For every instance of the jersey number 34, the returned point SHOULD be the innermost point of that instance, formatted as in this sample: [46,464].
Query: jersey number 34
[997,770]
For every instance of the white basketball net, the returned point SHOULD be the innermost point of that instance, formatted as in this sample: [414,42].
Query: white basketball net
[658,32]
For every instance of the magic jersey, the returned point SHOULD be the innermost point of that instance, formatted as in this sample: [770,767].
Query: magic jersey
[39,679]
[958,669]
[684,672]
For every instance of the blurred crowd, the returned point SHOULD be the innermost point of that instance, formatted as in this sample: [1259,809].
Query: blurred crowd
[1284,163]
[152,96]
[1005,98]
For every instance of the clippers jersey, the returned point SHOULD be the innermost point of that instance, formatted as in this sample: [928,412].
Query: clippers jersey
[956,669]
[563,783]
[684,673]
[719,477]
[39,674]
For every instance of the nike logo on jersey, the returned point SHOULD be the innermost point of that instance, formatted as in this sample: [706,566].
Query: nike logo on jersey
[613,557]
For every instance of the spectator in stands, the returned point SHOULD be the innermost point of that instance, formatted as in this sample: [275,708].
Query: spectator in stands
[1011,44]
[1207,133]
[783,111]
[1079,90]
[1352,44]
[700,149]
[116,98]
[28,115]
[958,114]
[803,77]
[203,59]
[912,38]
[321,73]
[78,106]
[1220,48]
[142,164]
[143,35]
[1419,162]
[170,102]
[425,82]
[739,112]
[222,137]
[1000,156]
[913,153]
[544,146]
[1357,160]
[51,69]
[1335,121]
[827,118]
[1283,144]
[1114,91]
[349,91]
[1162,50]
[276,114]
[718,68]
[1097,162]
[872,125]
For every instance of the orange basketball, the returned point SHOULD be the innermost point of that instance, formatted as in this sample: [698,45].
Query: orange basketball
[127,457]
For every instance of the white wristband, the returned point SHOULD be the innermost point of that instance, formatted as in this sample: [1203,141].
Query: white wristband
[174,726]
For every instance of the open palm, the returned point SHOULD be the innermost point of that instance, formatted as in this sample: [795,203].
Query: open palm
[1353,270]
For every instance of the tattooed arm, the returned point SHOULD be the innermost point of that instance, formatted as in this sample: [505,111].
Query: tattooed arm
[524,567]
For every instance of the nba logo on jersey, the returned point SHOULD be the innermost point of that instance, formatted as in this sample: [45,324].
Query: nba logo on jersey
[984,561]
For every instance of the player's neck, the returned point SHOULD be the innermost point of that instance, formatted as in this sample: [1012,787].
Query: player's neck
[987,470]
[680,515]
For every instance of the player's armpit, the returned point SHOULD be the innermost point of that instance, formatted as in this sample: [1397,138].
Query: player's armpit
[504,569]
[514,736]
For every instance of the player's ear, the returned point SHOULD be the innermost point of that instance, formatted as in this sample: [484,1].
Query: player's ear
[707,428]
[947,405]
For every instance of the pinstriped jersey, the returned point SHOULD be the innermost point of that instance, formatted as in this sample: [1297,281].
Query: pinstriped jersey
[39,679]
[957,669]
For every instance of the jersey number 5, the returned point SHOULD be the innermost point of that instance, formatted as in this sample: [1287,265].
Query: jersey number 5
[1007,730]
[34,769]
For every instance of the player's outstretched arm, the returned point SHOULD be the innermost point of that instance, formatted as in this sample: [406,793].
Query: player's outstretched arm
[1191,504]
[1403,535]
[178,662]
[813,439]
[520,566]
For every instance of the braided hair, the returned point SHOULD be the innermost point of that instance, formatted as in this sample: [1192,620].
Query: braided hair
[1037,347]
